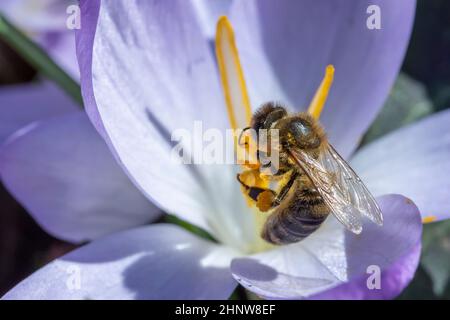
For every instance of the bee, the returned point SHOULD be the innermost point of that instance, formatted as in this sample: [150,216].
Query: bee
[316,180]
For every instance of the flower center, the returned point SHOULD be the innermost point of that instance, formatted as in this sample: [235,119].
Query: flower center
[240,113]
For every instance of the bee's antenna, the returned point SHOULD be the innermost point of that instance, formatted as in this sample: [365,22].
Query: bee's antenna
[240,136]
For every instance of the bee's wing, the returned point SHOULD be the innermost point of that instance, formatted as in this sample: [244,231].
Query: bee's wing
[357,192]
[341,189]
[333,195]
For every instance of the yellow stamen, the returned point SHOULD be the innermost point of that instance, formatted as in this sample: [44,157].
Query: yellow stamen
[317,103]
[429,219]
[232,76]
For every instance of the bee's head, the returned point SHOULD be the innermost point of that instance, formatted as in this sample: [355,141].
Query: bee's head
[267,115]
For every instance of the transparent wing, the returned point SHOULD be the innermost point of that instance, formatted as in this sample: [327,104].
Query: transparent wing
[341,189]
[349,181]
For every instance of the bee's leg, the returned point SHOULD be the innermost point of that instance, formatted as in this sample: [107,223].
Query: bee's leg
[266,198]
[266,166]
[257,191]
[285,190]
[254,190]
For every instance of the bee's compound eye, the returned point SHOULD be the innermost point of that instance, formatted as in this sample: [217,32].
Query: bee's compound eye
[300,129]
[304,134]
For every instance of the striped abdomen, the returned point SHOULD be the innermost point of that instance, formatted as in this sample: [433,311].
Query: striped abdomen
[296,218]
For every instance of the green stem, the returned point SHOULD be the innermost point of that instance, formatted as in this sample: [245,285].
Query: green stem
[169,218]
[39,59]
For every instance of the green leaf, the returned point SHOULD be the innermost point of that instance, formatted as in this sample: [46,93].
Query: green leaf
[39,59]
[420,288]
[436,254]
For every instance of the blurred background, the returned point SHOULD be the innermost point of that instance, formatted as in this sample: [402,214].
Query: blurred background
[422,88]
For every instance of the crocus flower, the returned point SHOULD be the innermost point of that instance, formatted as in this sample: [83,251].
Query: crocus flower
[147,69]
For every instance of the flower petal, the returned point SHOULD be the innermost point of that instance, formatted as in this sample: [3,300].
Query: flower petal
[392,281]
[36,17]
[332,256]
[63,173]
[61,47]
[285,46]
[154,262]
[413,161]
[26,103]
[208,13]
[151,72]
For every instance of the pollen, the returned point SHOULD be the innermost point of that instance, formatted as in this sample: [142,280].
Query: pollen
[254,178]
[320,98]
[265,200]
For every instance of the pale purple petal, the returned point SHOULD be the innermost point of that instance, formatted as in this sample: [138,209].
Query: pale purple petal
[37,16]
[61,47]
[62,172]
[332,256]
[285,46]
[393,280]
[154,262]
[26,103]
[413,161]
[148,71]
[208,13]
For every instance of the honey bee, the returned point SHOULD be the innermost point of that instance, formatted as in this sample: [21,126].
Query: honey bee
[316,180]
